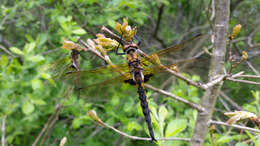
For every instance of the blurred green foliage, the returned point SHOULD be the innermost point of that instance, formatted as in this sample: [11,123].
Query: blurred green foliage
[33,31]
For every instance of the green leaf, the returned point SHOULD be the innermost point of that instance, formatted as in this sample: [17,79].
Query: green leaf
[225,139]
[134,125]
[163,112]
[175,127]
[29,38]
[16,51]
[29,47]
[36,84]
[35,58]
[251,136]
[111,23]
[76,123]
[45,75]
[28,108]
[39,102]
[79,31]
[4,61]
[241,144]
[42,38]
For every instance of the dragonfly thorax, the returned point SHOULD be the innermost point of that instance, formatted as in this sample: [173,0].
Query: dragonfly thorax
[130,48]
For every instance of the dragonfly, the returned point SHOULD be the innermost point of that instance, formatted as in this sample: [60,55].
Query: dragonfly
[137,71]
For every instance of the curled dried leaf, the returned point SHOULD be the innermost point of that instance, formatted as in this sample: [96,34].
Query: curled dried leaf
[239,115]
[69,45]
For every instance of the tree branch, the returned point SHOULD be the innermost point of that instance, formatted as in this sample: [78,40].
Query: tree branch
[143,138]
[216,70]
[193,105]
[234,104]
[243,81]
[233,125]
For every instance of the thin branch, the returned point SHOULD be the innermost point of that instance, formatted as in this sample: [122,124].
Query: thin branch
[243,81]
[251,35]
[7,51]
[46,125]
[112,35]
[143,138]
[88,48]
[56,117]
[4,20]
[83,26]
[247,76]
[213,10]
[3,130]
[248,62]
[95,132]
[234,104]
[49,51]
[224,104]
[233,125]
[193,105]
[52,118]
[5,42]
[157,27]
[194,29]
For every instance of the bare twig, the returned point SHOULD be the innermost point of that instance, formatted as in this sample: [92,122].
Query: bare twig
[53,121]
[234,104]
[4,20]
[112,35]
[98,129]
[3,130]
[50,51]
[47,124]
[52,118]
[233,125]
[7,51]
[251,35]
[88,48]
[247,76]
[157,27]
[224,104]
[213,10]
[144,138]
[193,105]
[248,62]
[243,81]
[83,26]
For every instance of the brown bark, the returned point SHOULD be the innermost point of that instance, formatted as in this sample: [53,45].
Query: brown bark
[208,101]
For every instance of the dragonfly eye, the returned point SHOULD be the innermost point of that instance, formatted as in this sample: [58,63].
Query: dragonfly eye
[130,50]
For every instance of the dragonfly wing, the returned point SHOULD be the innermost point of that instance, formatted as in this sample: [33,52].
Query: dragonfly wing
[187,44]
[178,52]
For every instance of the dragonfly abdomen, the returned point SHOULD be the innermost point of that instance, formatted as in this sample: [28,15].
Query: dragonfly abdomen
[145,108]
